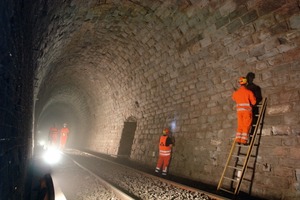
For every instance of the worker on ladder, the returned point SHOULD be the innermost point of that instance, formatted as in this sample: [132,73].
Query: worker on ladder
[244,99]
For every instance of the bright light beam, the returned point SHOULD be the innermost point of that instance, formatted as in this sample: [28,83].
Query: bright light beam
[52,156]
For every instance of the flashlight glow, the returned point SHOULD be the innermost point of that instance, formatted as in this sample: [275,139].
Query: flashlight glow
[173,125]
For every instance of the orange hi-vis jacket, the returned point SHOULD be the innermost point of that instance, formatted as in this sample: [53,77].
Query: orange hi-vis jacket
[64,132]
[244,99]
[53,134]
[163,149]
[53,130]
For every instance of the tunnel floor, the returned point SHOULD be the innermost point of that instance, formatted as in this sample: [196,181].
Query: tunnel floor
[195,184]
[64,174]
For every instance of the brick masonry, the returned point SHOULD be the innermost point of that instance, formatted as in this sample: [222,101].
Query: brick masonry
[165,62]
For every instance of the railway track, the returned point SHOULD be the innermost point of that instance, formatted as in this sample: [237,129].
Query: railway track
[128,183]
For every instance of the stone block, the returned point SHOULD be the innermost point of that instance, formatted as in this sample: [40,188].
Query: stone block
[276,60]
[258,50]
[221,22]
[233,49]
[267,6]
[270,53]
[261,65]
[280,109]
[279,28]
[241,10]
[288,141]
[265,22]
[227,8]
[296,130]
[292,55]
[289,162]
[291,118]
[295,22]
[246,41]
[234,26]
[273,119]
[267,131]
[271,141]
[249,17]
[294,153]
[281,130]
[286,11]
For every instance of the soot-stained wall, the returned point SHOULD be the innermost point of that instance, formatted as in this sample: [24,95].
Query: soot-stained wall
[174,63]
[16,97]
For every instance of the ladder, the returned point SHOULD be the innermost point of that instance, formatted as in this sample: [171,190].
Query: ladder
[238,170]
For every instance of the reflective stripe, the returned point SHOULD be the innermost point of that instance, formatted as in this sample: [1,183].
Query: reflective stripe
[244,136]
[243,104]
[238,135]
[241,109]
[164,152]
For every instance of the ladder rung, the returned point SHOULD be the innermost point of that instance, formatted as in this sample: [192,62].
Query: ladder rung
[239,156]
[244,155]
[231,179]
[226,190]
[248,167]
[235,167]
[242,145]
[256,132]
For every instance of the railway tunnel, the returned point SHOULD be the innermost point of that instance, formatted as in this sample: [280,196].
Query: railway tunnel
[118,72]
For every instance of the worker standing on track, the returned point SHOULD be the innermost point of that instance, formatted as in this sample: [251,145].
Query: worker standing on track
[244,99]
[53,136]
[165,149]
[64,133]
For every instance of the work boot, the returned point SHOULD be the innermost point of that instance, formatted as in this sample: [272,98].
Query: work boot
[244,142]
[238,140]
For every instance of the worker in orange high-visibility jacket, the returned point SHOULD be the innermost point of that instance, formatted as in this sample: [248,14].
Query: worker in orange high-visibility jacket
[64,133]
[244,99]
[53,136]
[165,149]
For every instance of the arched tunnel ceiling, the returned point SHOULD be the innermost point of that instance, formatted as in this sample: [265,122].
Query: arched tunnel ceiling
[158,62]
[113,57]
[92,55]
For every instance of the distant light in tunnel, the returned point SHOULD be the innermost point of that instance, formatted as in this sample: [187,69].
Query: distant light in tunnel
[52,156]
[42,142]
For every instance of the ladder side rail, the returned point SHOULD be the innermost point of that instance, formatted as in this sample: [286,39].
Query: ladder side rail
[263,108]
[258,136]
[226,165]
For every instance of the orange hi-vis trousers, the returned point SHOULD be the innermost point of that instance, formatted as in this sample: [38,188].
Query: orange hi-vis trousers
[163,161]
[244,120]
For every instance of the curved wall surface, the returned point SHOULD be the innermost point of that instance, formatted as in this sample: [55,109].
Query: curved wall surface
[172,63]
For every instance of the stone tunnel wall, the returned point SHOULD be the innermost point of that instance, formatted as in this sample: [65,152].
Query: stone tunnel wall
[16,93]
[176,63]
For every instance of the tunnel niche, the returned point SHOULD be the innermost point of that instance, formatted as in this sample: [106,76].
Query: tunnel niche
[127,137]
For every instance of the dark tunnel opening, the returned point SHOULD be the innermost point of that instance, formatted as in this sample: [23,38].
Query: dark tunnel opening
[55,116]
